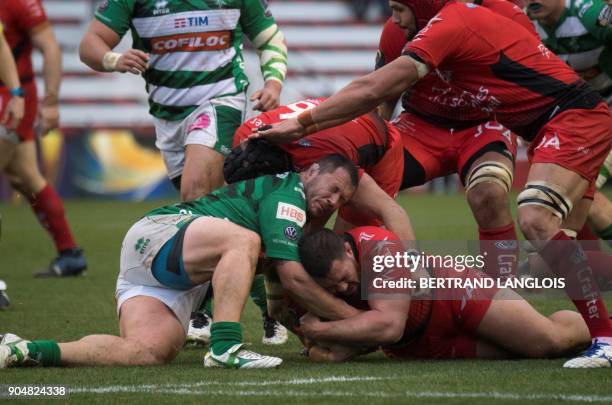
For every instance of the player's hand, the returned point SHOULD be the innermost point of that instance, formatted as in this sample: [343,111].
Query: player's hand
[282,132]
[14,112]
[134,61]
[310,325]
[49,115]
[267,98]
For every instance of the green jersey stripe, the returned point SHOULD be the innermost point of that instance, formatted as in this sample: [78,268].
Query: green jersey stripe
[186,79]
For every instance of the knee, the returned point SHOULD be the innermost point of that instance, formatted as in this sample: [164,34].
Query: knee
[26,181]
[487,197]
[537,223]
[250,243]
[153,355]
[192,189]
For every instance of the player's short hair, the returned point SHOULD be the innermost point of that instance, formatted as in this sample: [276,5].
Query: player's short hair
[318,250]
[330,163]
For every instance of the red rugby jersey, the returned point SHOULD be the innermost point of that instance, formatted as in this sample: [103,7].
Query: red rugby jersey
[20,19]
[363,140]
[501,68]
[432,98]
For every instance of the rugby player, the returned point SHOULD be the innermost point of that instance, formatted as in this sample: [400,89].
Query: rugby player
[446,323]
[369,142]
[12,114]
[190,55]
[169,255]
[510,74]
[25,27]
[442,134]
[578,32]
[373,145]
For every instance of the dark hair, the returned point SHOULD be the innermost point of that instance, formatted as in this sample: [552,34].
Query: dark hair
[318,250]
[330,163]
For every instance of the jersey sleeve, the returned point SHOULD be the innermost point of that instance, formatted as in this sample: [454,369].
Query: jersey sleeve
[116,15]
[443,38]
[591,15]
[392,41]
[259,25]
[30,14]
[282,218]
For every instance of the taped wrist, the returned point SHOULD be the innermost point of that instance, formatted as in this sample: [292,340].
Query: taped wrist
[110,60]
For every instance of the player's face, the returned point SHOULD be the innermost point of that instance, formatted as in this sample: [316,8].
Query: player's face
[343,277]
[545,9]
[326,192]
[403,17]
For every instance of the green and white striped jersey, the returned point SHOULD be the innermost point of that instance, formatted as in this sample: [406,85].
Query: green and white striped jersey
[273,206]
[582,40]
[195,47]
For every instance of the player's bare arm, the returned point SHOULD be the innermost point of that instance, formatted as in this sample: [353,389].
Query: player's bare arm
[359,97]
[309,295]
[43,38]
[370,197]
[96,51]
[383,324]
[8,75]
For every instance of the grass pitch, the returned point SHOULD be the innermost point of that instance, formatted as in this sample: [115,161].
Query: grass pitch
[70,308]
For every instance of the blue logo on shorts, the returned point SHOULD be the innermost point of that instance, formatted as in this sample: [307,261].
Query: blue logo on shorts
[291,233]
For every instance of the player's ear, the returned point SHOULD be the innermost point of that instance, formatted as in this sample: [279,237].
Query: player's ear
[348,250]
[312,171]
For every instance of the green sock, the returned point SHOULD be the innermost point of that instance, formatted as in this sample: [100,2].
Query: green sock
[258,294]
[606,234]
[207,306]
[46,352]
[224,335]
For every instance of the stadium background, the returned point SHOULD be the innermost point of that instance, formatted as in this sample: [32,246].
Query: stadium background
[105,149]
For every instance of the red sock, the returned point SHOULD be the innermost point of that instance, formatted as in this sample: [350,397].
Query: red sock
[49,210]
[588,240]
[502,250]
[600,263]
[567,259]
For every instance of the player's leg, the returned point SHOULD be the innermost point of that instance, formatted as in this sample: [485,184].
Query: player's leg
[7,149]
[203,172]
[600,217]
[139,343]
[209,136]
[486,163]
[150,334]
[512,325]
[227,253]
[558,180]
[24,175]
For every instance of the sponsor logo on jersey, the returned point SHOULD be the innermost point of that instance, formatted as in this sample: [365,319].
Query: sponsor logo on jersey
[291,232]
[552,142]
[203,41]
[365,236]
[183,22]
[160,7]
[141,245]
[103,6]
[291,213]
[202,122]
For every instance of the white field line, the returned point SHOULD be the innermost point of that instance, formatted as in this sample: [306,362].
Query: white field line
[200,388]
[294,381]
